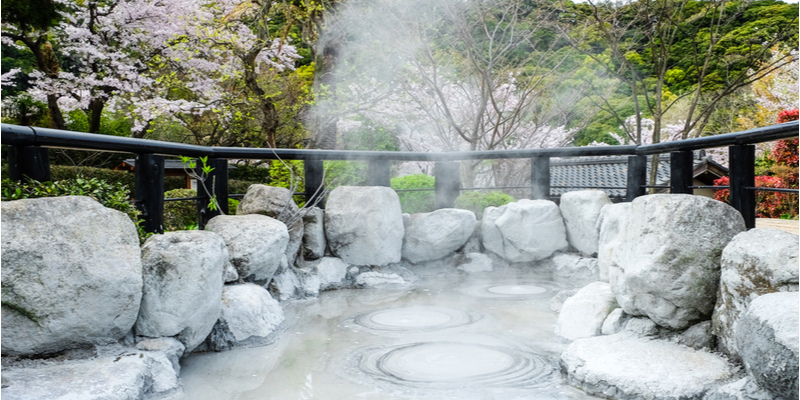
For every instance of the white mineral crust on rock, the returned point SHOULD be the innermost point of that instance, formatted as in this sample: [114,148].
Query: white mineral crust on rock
[256,243]
[611,218]
[624,366]
[525,230]
[754,263]
[364,225]
[582,315]
[72,274]
[581,210]
[182,285]
[431,236]
[666,265]
[767,337]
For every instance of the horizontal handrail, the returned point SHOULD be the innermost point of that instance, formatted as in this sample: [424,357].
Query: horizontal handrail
[750,136]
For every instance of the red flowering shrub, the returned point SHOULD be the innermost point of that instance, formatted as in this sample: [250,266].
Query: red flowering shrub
[768,204]
[788,115]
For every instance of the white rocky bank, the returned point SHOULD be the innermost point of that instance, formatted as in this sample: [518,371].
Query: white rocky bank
[641,309]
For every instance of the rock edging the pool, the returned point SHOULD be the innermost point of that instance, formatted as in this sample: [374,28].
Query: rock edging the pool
[81,298]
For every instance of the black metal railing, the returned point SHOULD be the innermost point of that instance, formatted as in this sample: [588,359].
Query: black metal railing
[28,158]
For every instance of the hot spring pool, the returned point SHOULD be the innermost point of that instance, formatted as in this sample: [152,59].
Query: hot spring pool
[488,336]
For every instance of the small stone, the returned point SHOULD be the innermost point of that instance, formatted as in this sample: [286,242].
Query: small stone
[476,262]
[615,322]
[699,336]
[642,326]
[582,315]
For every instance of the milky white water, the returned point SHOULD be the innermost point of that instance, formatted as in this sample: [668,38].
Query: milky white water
[488,336]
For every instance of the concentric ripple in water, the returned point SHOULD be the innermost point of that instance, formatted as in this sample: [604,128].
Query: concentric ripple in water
[512,290]
[451,365]
[416,319]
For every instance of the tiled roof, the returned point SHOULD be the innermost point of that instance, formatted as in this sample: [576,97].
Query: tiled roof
[583,172]
[168,164]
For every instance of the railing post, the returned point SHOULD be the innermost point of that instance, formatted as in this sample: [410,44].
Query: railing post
[637,177]
[217,184]
[742,175]
[314,173]
[448,183]
[29,162]
[681,166]
[540,178]
[379,173]
[150,191]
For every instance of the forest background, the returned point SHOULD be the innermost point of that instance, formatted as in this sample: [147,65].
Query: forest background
[400,75]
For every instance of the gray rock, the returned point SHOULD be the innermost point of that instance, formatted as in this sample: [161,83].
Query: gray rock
[310,283]
[71,273]
[364,225]
[615,322]
[666,266]
[476,262]
[754,263]
[525,230]
[767,339]
[582,315]
[229,274]
[172,348]
[611,218]
[183,281]
[314,243]
[285,285]
[574,269]
[249,317]
[434,235]
[624,366]
[641,326]
[331,272]
[256,244]
[130,375]
[275,202]
[742,389]
[580,210]
[385,277]
[699,336]
[557,301]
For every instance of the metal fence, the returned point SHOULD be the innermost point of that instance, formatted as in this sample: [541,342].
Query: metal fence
[28,158]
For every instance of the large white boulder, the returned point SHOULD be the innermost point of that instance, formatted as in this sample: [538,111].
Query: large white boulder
[431,236]
[525,230]
[275,202]
[128,375]
[611,219]
[314,242]
[364,225]
[183,278]
[581,210]
[666,265]
[256,244]
[71,274]
[625,366]
[582,315]
[754,263]
[249,317]
[767,339]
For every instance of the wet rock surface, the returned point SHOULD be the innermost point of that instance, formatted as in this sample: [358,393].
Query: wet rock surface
[754,263]
[249,317]
[624,366]
[46,310]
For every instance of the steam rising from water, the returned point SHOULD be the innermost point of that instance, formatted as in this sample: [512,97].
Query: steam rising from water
[511,290]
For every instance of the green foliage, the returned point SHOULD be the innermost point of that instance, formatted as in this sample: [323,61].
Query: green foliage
[232,205]
[110,194]
[478,201]
[250,173]
[418,201]
[178,215]
[345,173]
[371,136]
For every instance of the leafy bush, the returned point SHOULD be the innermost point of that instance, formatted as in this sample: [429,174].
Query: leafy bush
[178,215]
[64,172]
[232,205]
[415,202]
[768,204]
[478,201]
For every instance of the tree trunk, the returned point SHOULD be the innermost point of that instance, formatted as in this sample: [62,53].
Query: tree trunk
[326,126]
[95,111]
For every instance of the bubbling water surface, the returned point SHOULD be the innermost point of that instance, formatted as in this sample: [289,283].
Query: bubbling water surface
[416,319]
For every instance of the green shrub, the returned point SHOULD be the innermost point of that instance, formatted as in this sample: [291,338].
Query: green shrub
[232,205]
[415,202]
[478,201]
[178,215]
